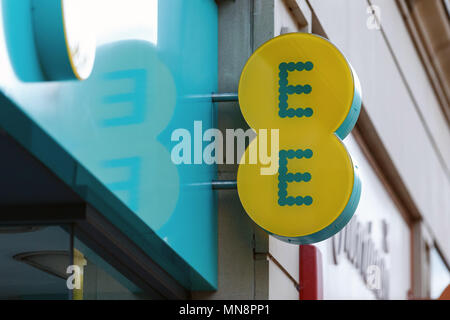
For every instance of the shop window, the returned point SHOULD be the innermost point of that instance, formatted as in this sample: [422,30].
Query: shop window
[51,263]
[439,274]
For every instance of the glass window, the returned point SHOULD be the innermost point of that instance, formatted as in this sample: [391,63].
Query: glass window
[440,274]
[36,264]
[33,262]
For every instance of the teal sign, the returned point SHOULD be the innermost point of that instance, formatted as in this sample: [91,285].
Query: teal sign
[149,64]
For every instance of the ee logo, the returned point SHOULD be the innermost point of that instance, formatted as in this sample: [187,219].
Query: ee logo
[302,85]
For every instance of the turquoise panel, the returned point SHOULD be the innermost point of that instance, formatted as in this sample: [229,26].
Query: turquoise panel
[118,123]
[19,33]
[48,27]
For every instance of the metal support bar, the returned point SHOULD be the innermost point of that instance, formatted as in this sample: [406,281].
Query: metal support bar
[224,184]
[224,97]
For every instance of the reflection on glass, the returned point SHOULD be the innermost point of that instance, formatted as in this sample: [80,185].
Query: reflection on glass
[101,281]
[33,261]
[80,38]
[440,274]
[35,264]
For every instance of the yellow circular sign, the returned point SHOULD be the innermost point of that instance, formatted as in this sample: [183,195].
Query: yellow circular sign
[302,85]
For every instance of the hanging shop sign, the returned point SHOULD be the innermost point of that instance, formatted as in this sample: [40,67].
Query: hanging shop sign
[303,86]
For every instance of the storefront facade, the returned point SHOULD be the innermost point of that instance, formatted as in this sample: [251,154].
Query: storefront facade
[399,101]
[94,184]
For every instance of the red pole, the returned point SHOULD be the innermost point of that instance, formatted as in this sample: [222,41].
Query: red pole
[311,277]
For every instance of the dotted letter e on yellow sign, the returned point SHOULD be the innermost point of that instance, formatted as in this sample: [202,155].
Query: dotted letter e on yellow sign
[302,85]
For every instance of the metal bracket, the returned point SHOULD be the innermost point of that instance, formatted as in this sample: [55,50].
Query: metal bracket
[224,97]
[224,184]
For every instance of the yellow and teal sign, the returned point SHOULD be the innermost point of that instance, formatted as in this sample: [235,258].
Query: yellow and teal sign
[302,85]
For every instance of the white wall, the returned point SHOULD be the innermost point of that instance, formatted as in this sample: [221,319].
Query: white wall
[280,286]
[343,281]
[391,106]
